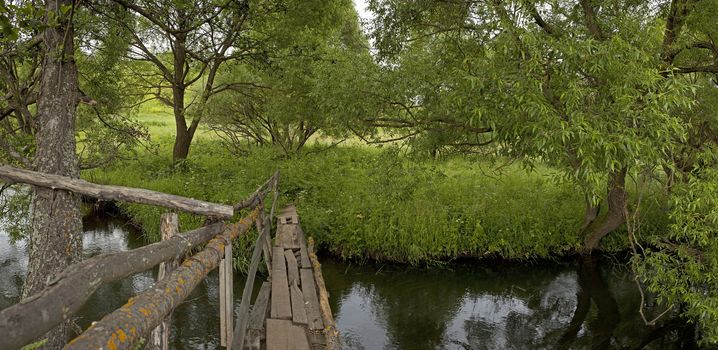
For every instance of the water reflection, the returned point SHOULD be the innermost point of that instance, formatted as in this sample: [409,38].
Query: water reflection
[580,305]
[195,323]
[588,304]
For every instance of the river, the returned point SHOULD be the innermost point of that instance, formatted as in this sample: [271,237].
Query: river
[582,304]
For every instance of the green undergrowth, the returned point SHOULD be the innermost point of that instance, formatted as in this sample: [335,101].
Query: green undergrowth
[365,203]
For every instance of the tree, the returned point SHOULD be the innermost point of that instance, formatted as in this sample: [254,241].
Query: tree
[574,84]
[186,43]
[316,49]
[602,90]
[42,128]
[56,238]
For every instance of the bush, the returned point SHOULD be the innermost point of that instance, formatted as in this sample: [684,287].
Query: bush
[374,203]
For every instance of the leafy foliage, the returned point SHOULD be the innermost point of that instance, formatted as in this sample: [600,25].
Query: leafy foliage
[683,266]
[290,96]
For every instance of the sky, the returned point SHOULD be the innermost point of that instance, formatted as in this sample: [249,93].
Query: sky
[361,6]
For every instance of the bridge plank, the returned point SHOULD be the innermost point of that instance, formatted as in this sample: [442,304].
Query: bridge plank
[292,269]
[283,335]
[278,337]
[304,255]
[281,306]
[299,313]
[299,338]
[287,236]
[311,301]
[255,328]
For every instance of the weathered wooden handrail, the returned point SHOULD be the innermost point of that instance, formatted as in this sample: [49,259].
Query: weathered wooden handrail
[110,192]
[255,198]
[70,289]
[240,329]
[128,324]
[34,316]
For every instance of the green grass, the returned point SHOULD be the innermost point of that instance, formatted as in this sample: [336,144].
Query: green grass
[361,202]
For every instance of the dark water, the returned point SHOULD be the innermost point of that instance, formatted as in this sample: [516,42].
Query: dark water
[579,305]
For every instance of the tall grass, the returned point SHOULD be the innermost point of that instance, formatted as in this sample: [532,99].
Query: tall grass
[372,203]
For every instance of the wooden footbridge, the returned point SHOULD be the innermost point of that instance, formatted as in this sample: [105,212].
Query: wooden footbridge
[291,310]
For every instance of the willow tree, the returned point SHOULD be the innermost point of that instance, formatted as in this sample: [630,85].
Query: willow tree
[575,84]
[603,90]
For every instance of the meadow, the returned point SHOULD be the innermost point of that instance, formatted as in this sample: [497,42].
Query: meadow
[379,203]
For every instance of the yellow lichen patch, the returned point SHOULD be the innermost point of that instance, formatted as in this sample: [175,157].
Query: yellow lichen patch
[144,311]
[111,343]
[121,335]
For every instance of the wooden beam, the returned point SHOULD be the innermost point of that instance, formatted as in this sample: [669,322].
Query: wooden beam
[226,298]
[281,305]
[169,227]
[330,328]
[255,327]
[229,294]
[34,316]
[243,317]
[112,193]
[125,326]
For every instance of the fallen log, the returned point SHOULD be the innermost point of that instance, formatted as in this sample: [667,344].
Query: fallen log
[125,326]
[34,316]
[120,193]
[330,328]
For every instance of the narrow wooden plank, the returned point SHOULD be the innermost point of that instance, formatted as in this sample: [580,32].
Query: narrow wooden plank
[266,247]
[229,294]
[311,300]
[222,302]
[299,313]
[259,309]
[299,338]
[240,331]
[279,334]
[169,227]
[304,254]
[281,306]
[255,328]
[287,236]
[292,268]
[330,329]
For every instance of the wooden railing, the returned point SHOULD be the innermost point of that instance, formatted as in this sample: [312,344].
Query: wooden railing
[32,317]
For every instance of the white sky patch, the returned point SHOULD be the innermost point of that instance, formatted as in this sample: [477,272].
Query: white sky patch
[363,10]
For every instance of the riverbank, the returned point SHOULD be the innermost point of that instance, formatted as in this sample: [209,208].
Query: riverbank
[376,305]
[373,203]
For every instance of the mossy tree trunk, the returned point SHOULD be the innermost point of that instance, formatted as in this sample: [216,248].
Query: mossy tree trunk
[614,218]
[56,237]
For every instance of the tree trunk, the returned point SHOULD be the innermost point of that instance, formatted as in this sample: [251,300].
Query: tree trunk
[56,238]
[183,140]
[590,214]
[616,201]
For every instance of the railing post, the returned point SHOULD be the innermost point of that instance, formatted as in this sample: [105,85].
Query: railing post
[169,226]
[261,222]
[226,297]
